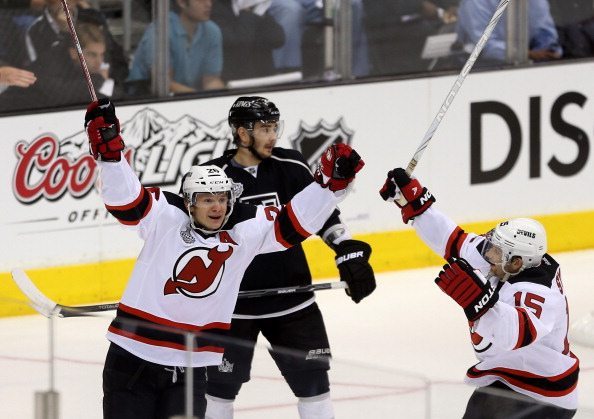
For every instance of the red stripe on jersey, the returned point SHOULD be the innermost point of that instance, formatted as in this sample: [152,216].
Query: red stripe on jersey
[454,243]
[146,211]
[279,236]
[164,344]
[539,384]
[130,205]
[129,214]
[295,221]
[165,322]
[526,330]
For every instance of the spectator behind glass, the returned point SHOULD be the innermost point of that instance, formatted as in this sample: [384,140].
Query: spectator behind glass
[49,37]
[296,15]
[474,15]
[94,47]
[65,84]
[12,46]
[195,47]
[397,30]
[574,20]
[249,36]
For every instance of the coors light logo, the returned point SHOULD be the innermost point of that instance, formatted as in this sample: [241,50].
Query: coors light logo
[159,150]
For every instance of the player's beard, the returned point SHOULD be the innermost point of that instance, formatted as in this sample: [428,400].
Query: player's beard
[253,150]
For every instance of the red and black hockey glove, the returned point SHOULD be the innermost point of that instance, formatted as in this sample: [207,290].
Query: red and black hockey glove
[352,260]
[103,131]
[399,185]
[469,288]
[337,167]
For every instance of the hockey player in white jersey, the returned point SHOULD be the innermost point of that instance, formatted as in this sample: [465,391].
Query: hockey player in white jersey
[512,294]
[187,276]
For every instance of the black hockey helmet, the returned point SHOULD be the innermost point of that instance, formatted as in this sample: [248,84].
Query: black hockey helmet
[248,109]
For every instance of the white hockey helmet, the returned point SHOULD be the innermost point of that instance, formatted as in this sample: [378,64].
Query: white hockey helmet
[209,179]
[523,237]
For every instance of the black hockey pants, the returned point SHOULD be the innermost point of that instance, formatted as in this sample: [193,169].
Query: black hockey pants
[137,389]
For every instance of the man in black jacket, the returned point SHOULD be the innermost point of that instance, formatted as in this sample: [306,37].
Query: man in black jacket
[248,40]
[49,55]
[272,176]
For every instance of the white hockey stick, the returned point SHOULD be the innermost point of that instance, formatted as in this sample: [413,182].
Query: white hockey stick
[457,84]
[49,308]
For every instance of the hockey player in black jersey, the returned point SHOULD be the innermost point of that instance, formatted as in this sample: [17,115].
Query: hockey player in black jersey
[272,176]
[187,276]
[513,297]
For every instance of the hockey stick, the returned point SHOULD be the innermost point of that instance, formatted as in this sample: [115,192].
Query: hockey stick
[81,57]
[49,308]
[457,84]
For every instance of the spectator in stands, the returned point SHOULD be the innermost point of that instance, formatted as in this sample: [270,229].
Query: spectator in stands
[195,47]
[574,20]
[48,39]
[296,15]
[65,83]
[397,30]
[474,15]
[94,48]
[12,52]
[249,36]
[13,76]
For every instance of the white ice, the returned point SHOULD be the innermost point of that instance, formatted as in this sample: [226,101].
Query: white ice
[401,353]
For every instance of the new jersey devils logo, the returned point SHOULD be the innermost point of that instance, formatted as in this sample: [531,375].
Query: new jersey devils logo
[191,275]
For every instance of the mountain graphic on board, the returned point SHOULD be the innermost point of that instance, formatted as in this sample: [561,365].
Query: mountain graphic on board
[148,129]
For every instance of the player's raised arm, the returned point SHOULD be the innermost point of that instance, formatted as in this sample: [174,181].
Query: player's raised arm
[124,197]
[415,201]
[512,295]
[307,212]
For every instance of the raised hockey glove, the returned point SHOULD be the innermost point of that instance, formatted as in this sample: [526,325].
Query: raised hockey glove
[412,198]
[352,259]
[469,288]
[337,167]
[103,131]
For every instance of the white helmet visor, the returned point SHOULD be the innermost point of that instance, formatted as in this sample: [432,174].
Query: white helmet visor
[492,252]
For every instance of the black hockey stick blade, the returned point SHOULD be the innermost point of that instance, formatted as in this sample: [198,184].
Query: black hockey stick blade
[49,308]
[292,290]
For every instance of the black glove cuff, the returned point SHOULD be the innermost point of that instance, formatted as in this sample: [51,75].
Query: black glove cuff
[482,304]
[425,198]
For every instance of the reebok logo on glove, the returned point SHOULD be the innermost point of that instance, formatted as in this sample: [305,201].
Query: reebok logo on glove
[348,256]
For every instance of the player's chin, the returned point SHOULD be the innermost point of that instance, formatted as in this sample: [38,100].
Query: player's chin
[215,222]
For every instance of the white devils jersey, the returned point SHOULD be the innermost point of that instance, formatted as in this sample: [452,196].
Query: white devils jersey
[522,340]
[184,281]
